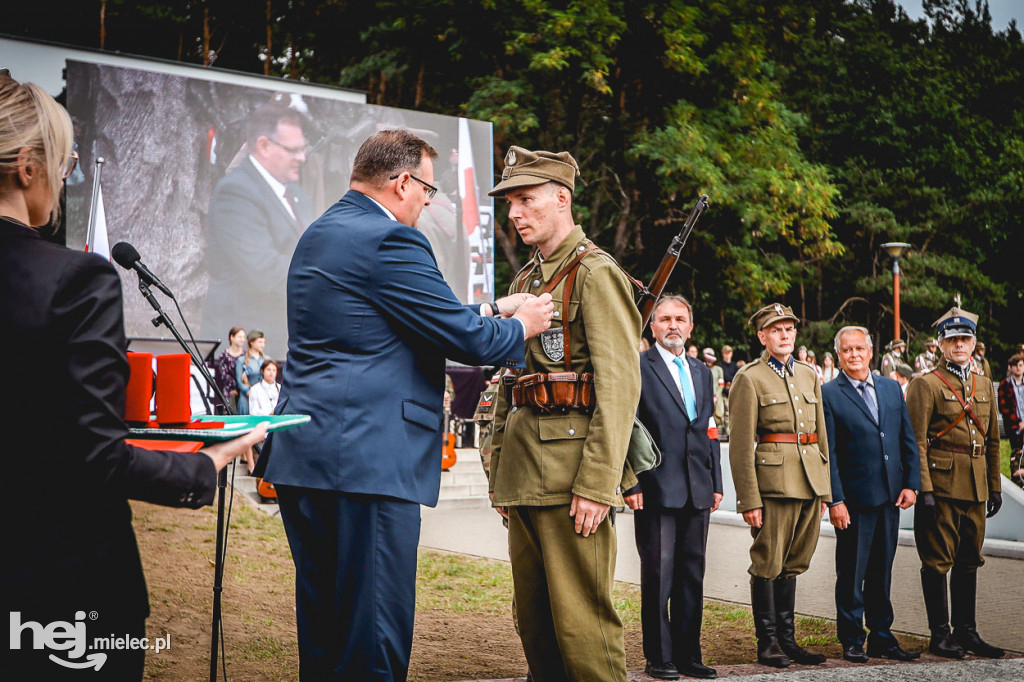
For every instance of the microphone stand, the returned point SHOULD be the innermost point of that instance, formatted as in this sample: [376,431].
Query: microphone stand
[222,478]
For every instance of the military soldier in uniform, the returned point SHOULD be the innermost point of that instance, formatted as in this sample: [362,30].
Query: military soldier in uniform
[954,414]
[559,446]
[926,361]
[980,362]
[894,357]
[779,459]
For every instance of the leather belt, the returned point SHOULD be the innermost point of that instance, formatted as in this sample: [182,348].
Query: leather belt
[977,450]
[554,392]
[799,438]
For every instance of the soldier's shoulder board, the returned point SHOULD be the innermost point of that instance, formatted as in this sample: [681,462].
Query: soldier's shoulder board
[746,367]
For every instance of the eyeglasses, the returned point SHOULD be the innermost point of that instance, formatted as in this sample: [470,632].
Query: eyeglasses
[68,167]
[294,151]
[430,189]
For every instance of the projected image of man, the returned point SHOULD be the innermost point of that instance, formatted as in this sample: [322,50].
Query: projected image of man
[257,214]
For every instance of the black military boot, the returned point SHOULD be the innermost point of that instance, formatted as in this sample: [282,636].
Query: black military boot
[785,615]
[762,602]
[963,587]
[935,604]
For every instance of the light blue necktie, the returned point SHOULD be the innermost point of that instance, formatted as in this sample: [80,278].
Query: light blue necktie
[684,382]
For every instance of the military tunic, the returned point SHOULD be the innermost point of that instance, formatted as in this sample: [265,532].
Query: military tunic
[788,480]
[545,459]
[567,619]
[925,362]
[889,362]
[960,480]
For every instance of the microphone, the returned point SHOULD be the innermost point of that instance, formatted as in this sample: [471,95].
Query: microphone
[128,258]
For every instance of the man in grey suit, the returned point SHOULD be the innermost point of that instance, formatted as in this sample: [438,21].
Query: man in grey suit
[673,503]
[876,472]
[257,214]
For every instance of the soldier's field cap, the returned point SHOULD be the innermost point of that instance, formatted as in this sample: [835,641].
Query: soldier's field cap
[770,314]
[931,342]
[980,345]
[896,343]
[709,354]
[524,168]
[957,322]
[905,370]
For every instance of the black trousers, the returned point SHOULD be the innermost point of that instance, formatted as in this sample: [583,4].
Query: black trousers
[672,545]
[864,554]
[355,582]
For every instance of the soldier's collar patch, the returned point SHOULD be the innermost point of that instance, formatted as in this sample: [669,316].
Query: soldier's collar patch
[782,369]
[957,370]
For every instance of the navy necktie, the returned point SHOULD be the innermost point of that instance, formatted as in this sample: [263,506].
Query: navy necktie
[869,400]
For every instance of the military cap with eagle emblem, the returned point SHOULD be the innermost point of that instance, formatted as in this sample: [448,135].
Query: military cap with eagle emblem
[956,322]
[770,314]
[524,168]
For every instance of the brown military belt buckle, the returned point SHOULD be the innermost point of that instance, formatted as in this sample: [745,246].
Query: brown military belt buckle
[976,450]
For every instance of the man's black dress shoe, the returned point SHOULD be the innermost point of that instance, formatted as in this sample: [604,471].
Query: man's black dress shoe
[662,671]
[855,653]
[697,669]
[895,652]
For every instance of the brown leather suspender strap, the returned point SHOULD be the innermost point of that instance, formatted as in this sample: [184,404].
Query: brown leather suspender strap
[965,405]
[568,273]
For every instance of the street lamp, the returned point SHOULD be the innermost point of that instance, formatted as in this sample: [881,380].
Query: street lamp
[895,250]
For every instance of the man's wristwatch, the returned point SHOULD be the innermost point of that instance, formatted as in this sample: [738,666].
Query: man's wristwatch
[495,312]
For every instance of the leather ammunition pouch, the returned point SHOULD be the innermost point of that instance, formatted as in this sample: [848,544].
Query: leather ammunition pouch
[554,392]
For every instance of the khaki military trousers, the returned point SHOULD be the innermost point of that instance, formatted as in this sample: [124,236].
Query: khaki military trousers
[563,595]
[954,538]
[785,542]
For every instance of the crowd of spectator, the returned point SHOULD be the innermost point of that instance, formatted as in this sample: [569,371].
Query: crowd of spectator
[246,376]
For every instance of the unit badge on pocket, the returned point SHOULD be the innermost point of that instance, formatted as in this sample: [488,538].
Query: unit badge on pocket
[552,341]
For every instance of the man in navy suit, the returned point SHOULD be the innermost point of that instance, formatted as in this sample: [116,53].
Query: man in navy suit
[257,213]
[371,321]
[673,503]
[876,472]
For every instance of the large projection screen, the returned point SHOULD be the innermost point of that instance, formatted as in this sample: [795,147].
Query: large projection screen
[168,140]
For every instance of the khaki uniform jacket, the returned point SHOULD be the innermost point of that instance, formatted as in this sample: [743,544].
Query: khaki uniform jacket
[955,475]
[761,401]
[926,363]
[546,459]
[889,362]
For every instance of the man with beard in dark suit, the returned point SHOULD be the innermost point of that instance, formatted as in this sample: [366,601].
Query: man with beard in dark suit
[673,503]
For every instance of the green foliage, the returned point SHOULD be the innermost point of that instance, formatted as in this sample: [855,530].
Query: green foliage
[820,129]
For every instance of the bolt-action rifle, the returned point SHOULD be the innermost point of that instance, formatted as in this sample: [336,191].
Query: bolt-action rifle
[649,294]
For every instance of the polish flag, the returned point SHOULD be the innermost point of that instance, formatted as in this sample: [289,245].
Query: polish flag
[467,180]
[96,241]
